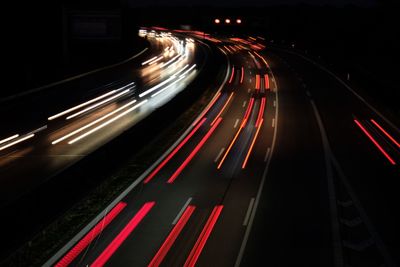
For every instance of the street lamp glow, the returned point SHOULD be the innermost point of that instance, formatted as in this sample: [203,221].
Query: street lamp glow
[217,21]
[227,21]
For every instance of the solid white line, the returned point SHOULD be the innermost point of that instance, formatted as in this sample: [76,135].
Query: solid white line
[273,122]
[236,123]
[267,154]
[17,141]
[264,176]
[38,130]
[9,138]
[244,103]
[181,211]
[308,93]
[219,154]
[247,217]
[337,245]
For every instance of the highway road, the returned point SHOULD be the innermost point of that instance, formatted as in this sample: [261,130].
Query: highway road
[47,132]
[286,166]
[203,190]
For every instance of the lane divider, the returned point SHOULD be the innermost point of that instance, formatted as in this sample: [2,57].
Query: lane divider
[121,237]
[204,235]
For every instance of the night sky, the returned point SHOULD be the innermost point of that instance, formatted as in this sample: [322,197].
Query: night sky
[233,3]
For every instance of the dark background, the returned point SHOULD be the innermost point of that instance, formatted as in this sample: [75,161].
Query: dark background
[52,40]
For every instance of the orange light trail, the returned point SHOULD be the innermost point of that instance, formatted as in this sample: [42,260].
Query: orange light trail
[248,111]
[257,81]
[252,145]
[261,112]
[233,73]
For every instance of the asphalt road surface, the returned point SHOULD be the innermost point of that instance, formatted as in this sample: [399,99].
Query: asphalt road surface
[286,166]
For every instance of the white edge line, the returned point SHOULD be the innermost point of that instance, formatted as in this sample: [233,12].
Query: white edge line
[247,217]
[90,225]
[236,123]
[181,211]
[267,154]
[219,154]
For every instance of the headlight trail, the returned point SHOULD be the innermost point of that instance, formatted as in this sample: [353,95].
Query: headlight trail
[98,104]
[87,103]
[17,141]
[93,123]
[107,122]
[9,138]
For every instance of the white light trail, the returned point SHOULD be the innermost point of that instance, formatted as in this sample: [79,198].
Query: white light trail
[92,123]
[157,86]
[9,138]
[81,105]
[168,86]
[17,141]
[107,122]
[158,59]
[98,104]
[169,61]
[192,67]
[148,61]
